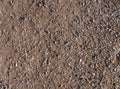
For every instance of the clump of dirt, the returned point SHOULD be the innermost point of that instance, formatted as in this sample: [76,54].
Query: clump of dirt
[59,44]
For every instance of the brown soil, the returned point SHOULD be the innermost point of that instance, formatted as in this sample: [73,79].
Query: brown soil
[59,44]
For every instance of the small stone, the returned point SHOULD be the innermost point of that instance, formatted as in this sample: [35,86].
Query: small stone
[77,33]
[118,57]
[11,2]
[21,19]
[40,4]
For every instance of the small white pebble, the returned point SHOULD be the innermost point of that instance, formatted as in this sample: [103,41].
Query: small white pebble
[80,60]
[16,64]
[83,62]
[59,1]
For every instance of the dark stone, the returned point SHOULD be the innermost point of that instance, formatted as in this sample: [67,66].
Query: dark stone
[40,4]
[78,87]
[21,19]
[32,1]
[118,58]
[77,19]
[84,45]
[77,33]
[11,2]
[46,31]
[94,56]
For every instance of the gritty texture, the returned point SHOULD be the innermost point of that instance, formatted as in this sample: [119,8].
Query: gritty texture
[59,44]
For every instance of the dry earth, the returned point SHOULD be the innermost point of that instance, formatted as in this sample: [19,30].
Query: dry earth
[59,44]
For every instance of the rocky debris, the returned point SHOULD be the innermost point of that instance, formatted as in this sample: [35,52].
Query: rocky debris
[59,44]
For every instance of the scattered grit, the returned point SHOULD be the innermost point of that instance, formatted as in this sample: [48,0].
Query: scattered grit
[59,44]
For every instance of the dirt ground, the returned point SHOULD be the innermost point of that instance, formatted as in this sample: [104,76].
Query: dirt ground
[59,44]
